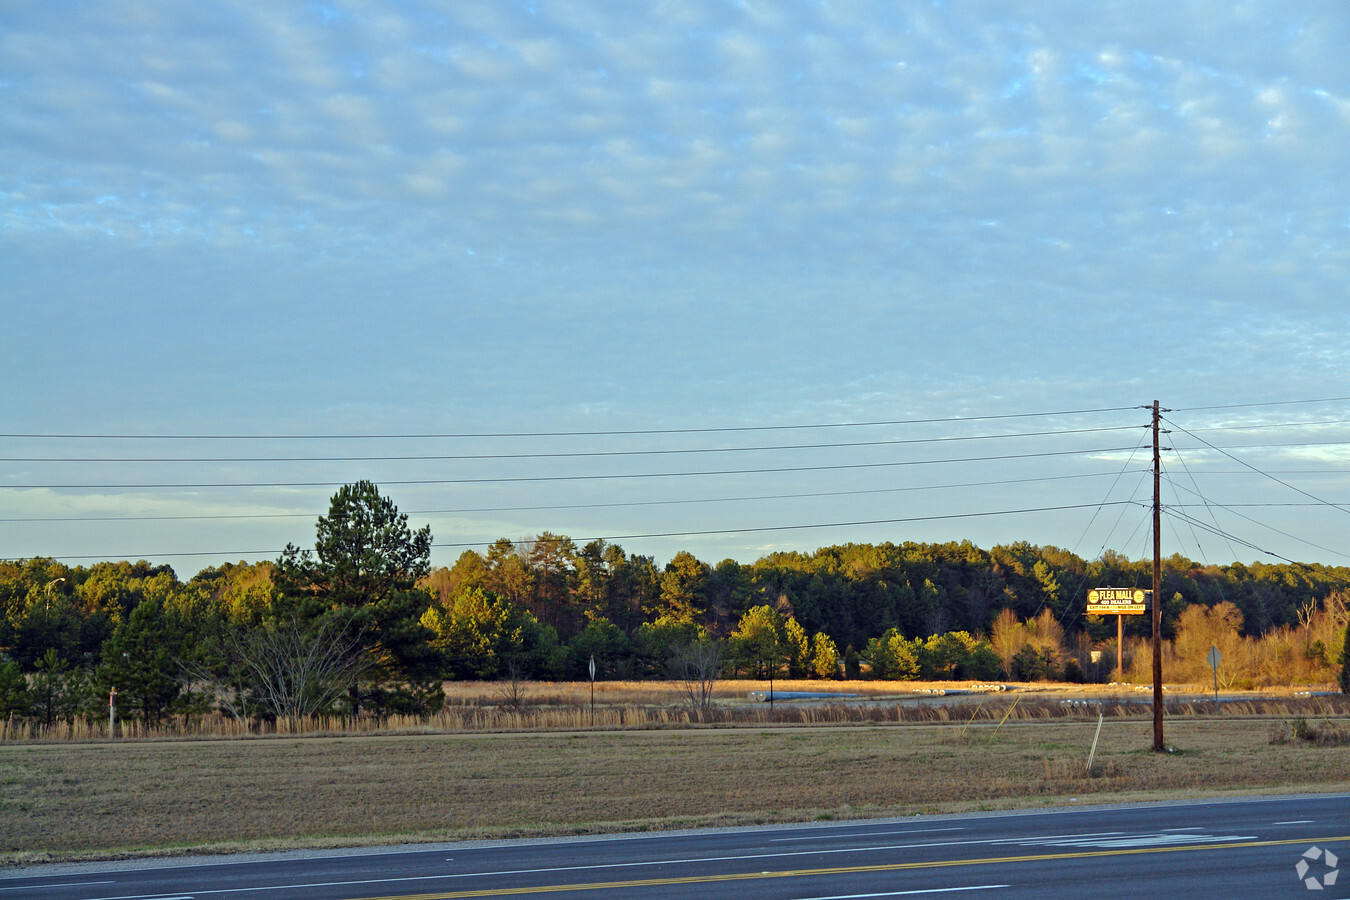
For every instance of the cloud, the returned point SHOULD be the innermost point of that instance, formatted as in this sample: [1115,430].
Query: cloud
[563,126]
[687,209]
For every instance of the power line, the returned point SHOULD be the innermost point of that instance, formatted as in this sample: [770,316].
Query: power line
[646,431]
[1241,505]
[669,534]
[1274,425]
[574,506]
[543,478]
[1218,532]
[580,454]
[1332,443]
[1204,526]
[1267,403]
[1187,469]
[539,434]
[1256,470]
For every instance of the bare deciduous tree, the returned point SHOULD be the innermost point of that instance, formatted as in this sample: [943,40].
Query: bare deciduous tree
[296,671]
[511,686]
[697,666]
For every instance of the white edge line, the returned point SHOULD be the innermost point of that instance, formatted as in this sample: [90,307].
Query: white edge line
[951,890]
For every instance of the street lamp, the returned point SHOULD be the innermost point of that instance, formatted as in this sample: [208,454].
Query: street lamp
[47,604]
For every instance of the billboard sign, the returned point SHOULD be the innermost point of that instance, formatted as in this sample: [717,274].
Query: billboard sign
[1118,601]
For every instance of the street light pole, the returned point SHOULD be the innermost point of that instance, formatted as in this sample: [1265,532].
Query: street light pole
[46,605]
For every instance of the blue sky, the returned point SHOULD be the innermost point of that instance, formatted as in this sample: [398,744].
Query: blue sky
[492,218]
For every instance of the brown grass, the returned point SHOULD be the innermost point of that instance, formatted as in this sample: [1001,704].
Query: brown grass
[96,798]
[486,707]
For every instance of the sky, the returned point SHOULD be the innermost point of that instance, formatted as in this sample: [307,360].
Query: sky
[588,261]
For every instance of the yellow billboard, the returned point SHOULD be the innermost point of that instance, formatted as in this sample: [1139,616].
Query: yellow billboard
[1118,601]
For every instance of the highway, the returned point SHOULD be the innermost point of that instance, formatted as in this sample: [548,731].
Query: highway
[1249,847]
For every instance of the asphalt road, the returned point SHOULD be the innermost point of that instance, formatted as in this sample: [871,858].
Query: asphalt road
[1249,847]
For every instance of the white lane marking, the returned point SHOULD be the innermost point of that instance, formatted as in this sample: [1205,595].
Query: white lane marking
[25,887]
[539,871]
[1297,822]
[1134,840]
[851,834]
[555,869]
[1049,839]
[749,856]
[951,890]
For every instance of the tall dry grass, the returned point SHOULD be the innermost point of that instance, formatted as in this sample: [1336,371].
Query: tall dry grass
[548,706]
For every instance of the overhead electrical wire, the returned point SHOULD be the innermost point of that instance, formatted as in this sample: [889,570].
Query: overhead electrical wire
[630,432]
[1257,470]
[575,506]
[1187,469]
[1168,510]
[1265,403]
[582,454]
[538,434]
[712,532]
[1175,510]
[1263,427]
[592,477]
[1205,526]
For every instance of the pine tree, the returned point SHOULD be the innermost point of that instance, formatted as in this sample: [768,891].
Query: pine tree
[137,660]
[14,700]
[364,571]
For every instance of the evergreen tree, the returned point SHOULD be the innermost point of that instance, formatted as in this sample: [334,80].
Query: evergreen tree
[364,570]
[138,661]
[56,691]
[14,698]
[683,587]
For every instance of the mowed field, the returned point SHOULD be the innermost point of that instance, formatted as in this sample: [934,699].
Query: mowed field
[73,799]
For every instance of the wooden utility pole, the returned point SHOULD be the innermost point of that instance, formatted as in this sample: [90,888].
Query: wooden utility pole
[1157,591]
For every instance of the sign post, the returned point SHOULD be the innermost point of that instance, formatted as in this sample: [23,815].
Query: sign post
[1120,648]
[1213,660]
[592,668]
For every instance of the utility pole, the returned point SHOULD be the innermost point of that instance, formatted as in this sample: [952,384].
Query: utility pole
[1157,591]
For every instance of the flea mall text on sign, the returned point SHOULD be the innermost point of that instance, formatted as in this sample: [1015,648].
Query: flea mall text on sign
[1118,601]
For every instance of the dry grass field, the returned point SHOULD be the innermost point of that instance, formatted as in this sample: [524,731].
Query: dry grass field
[71,799]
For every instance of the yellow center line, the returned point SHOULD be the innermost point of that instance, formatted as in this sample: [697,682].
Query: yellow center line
[849,870]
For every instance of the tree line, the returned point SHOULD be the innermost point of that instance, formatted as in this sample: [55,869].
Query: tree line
[362,624]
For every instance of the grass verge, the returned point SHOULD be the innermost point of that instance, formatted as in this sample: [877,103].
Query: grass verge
[72,800]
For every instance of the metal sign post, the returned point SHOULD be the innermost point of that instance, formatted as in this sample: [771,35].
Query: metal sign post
[1213,660]
[592,668]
